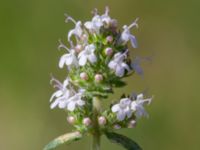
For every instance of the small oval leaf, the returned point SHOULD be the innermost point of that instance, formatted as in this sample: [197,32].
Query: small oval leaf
[122,140]
[63,139]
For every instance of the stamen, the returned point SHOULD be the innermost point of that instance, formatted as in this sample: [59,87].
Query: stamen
[95,12]
[69,18]
[134,24]
[57,83]
[61,45]
[107,10]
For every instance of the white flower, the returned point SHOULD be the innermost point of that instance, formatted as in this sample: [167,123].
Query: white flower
[75,101]
[95,24]
[137,106]
[126,35]
[87,54]
[118,65]
[123,109]
[68,59]
[77,31]
[61,95]
[65,97]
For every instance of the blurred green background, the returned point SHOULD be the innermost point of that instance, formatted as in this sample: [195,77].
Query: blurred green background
[29,33]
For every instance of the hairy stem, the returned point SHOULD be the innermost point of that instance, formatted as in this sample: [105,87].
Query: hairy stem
[96,133]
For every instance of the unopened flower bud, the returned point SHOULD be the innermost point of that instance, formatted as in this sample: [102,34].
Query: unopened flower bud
[102,120]
[108,51]
[87,121]
[132,124]
[98,77]
[78,48]
[117,126]
[109,39]
[84,76]
[71,119]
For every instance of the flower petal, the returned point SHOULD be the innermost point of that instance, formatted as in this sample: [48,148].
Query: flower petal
[71,106]
[112,65]
[56,94]
[121,115]
[88,25]
[134,105]
[115,108]
[69,59]
[71,32]
[82,60]
[54,104]
[62,61]
[133,41]
[92,58]
[119,71]
[63,103]
[80,102]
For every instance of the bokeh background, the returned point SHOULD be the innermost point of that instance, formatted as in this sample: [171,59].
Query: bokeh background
[169,33]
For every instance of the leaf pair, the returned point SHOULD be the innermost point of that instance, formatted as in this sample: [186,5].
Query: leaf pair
[68,138]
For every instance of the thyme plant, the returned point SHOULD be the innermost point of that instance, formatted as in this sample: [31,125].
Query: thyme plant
[97,60]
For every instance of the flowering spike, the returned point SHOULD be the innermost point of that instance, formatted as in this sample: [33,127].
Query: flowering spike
[97,61]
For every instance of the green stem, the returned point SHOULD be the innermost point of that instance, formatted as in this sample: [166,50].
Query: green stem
[96,133]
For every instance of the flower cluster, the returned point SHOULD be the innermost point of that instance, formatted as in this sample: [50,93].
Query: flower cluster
[97,58]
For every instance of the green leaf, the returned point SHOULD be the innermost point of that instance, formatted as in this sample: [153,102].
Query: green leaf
[63,139]
[122,140]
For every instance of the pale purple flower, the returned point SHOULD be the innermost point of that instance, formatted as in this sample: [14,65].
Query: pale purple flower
[122,109]
[77,31]
[106,18]
[95,24]
[69,58]
[61,95]
[87,55]
[137,106]
[118,65]
[75,101]
[127,36]
[66,97]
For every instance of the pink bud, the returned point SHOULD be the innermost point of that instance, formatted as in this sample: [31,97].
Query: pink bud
[109,39]
[78,48]
[117,126]
[71,119]
[87,121]
[84,76]
[102,120]
[98,77]
[108,51]
[132,124]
